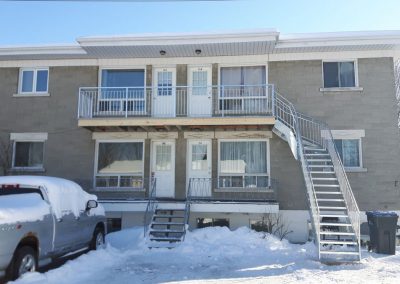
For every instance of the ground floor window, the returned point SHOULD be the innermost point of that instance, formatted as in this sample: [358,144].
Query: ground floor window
[349,152]
[119,164]
[243,164]
[212,222]
[28,151]
[113,225]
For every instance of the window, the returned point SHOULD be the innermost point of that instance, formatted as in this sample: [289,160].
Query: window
[164,83]
[28,155]
[212,222]
[237,83]
[122,90]
[33,80]
[28,151]
[243,164]
[349,152]
[120,165]
[339,74]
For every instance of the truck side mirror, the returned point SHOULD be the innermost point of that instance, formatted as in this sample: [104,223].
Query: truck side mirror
[91,204]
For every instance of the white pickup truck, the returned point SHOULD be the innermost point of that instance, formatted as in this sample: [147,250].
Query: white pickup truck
[42,218]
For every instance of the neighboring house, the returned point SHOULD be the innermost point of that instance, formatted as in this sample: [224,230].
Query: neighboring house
[210,124]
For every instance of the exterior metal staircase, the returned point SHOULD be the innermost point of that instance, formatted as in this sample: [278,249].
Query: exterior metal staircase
[335,216]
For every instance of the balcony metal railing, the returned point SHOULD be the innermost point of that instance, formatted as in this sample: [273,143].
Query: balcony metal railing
[222,189]
[176,101]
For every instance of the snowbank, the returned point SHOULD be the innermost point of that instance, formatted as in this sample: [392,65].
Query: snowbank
[27,208]
[215,255]
[65,196]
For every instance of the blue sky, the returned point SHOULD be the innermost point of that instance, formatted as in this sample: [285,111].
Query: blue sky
[24,23]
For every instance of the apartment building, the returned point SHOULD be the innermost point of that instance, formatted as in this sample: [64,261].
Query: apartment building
[213,129]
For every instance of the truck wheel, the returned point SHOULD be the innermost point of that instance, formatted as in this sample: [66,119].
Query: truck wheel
[97,240]
[25,260]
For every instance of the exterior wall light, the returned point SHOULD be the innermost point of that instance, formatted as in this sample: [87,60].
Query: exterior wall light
[198,51]
[163,52]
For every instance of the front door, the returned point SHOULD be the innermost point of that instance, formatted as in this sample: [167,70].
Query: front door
[164,92]
[200,91]
[163,167]
[199,167]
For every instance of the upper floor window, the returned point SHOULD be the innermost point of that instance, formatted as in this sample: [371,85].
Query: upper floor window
[33,80]
[339,74]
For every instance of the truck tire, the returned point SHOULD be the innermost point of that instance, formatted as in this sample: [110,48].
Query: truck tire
[97,241]
[25,260]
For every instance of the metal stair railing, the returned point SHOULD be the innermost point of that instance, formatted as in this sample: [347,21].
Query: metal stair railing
[320,133]
[150,208]
[187,208]
[286,113]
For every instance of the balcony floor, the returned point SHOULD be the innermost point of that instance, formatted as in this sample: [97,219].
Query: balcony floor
[176,121]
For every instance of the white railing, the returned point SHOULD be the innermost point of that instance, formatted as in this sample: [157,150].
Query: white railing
[176,101]
[151,205]
[286,113]
[223,189]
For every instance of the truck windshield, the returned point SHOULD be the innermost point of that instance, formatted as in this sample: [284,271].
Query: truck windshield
[9,190]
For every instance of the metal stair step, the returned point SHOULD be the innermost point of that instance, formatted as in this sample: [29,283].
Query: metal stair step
[168,223]
[335,224]
[313,148]
[320,178]
[165,239]
[326,185]
[339,252]
[333,215]
[166,231]
[329,200]
[316,154]
[168,216]
[328,192]
[331,242]
[336,233]
[322,172]
[320,166]
[332,208]
[319,160]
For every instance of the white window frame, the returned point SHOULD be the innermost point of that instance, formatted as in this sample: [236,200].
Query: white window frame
[339,89]
[119,175]
[268,173]
[28,137]
[355,134]
[33,92]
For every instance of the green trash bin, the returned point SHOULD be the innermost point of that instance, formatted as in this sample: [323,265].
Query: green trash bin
[382,231]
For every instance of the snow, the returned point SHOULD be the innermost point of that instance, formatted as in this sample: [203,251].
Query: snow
[215,255]
[27,208]
[64,195]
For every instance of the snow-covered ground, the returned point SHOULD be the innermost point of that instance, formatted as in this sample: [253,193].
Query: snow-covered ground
[215,255]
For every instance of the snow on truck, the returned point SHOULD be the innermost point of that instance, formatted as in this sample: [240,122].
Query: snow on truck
[42,218]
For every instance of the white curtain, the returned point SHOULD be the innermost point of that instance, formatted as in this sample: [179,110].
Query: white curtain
[243,157]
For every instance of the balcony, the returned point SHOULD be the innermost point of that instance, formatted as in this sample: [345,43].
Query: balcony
[176,105]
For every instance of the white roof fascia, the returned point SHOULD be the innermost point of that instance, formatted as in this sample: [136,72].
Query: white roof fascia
[176,39]
[339,39]
[36,50]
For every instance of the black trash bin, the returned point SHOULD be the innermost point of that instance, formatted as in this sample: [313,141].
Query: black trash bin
[382,231]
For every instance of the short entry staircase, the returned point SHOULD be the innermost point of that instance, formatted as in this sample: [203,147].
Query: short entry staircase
[334,212]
